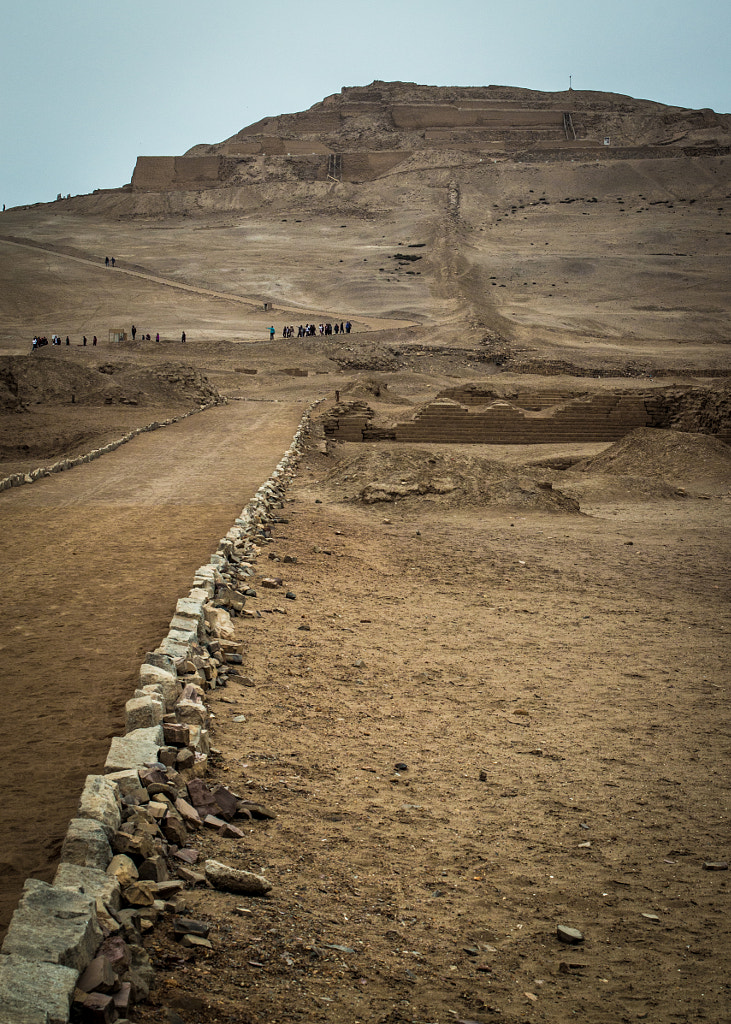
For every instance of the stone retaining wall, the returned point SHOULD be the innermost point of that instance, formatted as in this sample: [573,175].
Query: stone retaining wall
[73,940]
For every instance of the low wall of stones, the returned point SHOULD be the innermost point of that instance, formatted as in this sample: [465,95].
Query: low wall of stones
[18,479]
[78,941]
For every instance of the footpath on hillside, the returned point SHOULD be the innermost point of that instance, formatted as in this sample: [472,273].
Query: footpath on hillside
[94,561]
[250,302]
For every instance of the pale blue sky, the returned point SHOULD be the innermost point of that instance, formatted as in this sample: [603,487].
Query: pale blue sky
[88,85]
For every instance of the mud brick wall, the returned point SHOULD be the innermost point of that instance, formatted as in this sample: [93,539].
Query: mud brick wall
[696,410]
[250,148]
[270,145]
[319,121]
[154,172]
[549,418]
[56,937]
[353,109]
[369,165]
[471,395]
[603,418]
[297,147]
[470,414]
[346,427]
[433,115]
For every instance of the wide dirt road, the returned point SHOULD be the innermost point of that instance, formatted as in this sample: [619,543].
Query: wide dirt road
[94,561]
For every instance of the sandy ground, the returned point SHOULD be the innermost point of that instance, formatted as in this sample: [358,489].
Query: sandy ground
[550,679]
[555,689]
[594,262]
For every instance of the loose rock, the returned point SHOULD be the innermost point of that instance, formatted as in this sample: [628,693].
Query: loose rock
[222,876]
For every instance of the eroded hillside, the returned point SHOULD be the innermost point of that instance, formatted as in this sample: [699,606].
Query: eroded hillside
[575,230]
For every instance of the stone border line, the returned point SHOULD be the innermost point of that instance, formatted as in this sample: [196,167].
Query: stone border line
[17,479]
[80,939]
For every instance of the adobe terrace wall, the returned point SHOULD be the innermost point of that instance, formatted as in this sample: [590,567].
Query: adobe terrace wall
[471,414]
[271,145]
[601,418]
[308,159]
[433,115]
[182,172]
[156,172]
[56,933]
[369,165]
[531,418]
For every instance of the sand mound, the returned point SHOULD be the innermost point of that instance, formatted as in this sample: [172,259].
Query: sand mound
[408,474]
[670,455]
[370,387]
[42,378]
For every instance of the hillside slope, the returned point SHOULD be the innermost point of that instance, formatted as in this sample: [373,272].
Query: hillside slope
[474,213]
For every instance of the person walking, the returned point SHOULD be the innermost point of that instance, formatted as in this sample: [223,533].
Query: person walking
[134,331]
[106,261]
[113,261]
[93,340]
[272,332]
[182,337]
[157,336]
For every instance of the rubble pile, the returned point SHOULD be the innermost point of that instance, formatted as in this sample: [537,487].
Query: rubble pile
[76,946]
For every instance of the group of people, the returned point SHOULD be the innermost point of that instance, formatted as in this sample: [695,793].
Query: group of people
[40,340]
[146,337]
[311,330]
[143,337]
[109,260]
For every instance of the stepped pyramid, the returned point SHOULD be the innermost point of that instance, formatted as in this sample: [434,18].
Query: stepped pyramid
[364,132]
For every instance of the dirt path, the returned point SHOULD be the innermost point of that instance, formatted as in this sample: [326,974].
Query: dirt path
[94,560]
[553,688]
[252,304]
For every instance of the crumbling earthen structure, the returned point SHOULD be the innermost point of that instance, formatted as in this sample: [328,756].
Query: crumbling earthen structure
[475,415]
[364,132]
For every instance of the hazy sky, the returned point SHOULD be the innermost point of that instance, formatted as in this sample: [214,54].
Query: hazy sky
[88,85]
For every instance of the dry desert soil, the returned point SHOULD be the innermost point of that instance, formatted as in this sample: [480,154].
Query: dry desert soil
[498,703]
